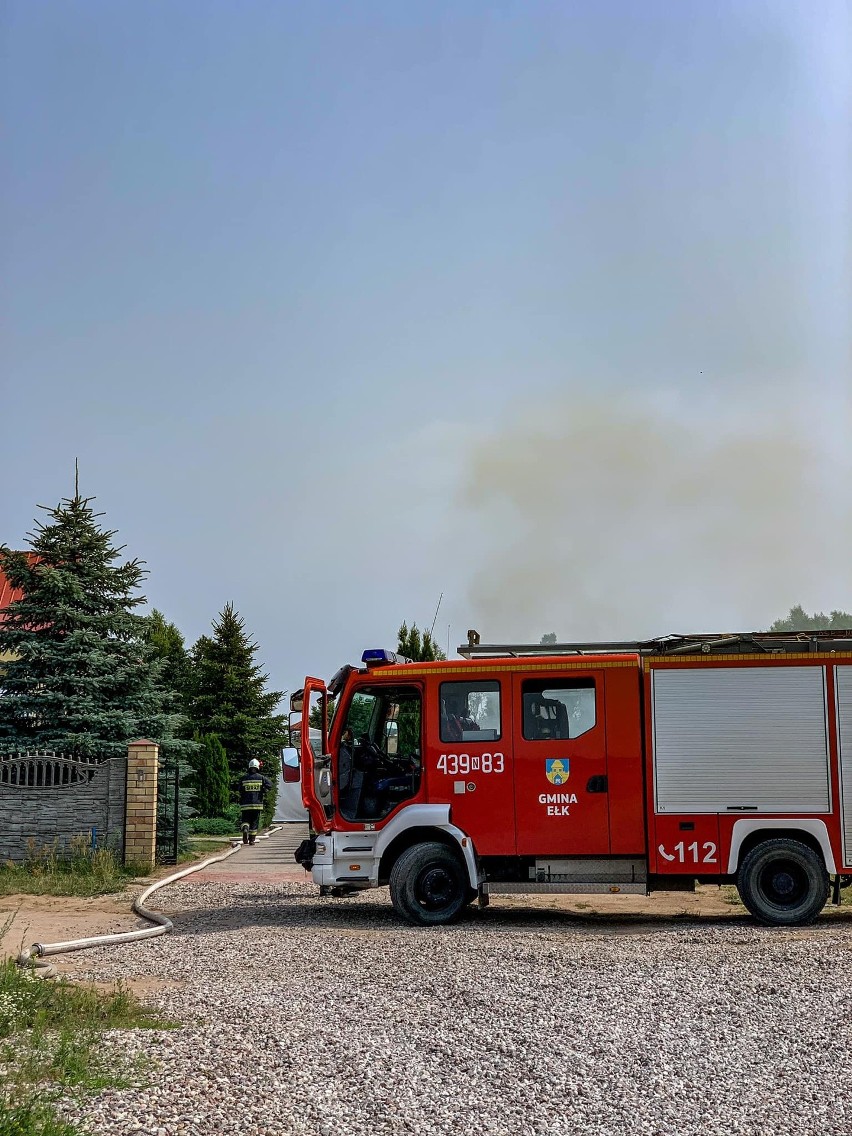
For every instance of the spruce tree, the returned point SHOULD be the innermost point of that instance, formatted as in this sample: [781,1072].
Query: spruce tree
[228,697]
[81,679]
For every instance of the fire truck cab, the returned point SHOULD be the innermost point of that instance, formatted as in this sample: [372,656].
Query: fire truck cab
[618,768]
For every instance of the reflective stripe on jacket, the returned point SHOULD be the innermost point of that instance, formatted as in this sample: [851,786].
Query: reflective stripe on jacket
[253,788]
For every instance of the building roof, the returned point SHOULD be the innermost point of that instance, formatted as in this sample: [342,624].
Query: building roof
[8,594]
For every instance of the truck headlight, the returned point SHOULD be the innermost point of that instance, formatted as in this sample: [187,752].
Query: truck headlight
[321,847]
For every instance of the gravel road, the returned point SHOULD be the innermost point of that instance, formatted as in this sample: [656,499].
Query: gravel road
[329,1018]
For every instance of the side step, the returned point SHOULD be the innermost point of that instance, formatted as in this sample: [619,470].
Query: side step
[576,887]
[611,875]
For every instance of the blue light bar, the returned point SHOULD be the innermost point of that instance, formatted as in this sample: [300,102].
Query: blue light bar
[377,657]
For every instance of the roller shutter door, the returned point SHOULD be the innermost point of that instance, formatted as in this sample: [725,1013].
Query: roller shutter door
[843,683]
[741,739]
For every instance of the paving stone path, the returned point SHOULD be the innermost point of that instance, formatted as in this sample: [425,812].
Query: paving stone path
[270,860]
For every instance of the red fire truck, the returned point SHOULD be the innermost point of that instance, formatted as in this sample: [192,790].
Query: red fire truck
[619,767]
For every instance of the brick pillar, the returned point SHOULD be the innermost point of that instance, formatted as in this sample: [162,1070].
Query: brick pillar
[140,826]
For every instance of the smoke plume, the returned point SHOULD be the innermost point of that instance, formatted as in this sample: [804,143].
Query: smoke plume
[604,517]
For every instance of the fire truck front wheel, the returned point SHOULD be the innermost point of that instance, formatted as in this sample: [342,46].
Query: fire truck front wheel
[783,882]
[429,884]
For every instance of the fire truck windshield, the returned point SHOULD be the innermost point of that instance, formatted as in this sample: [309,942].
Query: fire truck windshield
[379,758]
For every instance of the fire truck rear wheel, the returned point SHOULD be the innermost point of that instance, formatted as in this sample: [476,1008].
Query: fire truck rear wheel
[783,882]
[429,884]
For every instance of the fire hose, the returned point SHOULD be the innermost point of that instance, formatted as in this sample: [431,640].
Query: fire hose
[31,956]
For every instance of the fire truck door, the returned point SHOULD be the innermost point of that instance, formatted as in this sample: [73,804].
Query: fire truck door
[469,758]
[316,774]
[561,788]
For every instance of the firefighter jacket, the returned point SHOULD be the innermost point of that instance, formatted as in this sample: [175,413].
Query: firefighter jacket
[253,788]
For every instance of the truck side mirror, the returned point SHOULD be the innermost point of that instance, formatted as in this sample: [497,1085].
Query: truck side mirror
[291,772]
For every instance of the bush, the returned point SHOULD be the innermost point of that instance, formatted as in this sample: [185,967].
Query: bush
[223,825]
[212,826]
[211,776]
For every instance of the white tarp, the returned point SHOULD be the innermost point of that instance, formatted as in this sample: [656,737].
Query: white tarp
[289,807]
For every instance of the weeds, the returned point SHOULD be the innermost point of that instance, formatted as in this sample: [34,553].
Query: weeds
[77,869]
[29,1003]
[49,1043]
[32,1118]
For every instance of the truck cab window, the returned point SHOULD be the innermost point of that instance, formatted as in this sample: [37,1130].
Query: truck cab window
[558,711]
[379,756]
[470,711]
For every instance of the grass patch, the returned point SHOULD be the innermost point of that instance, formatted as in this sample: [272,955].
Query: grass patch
[49,1044]
[77,869]
[200,849]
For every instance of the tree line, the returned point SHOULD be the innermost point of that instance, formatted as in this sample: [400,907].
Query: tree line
[84,672]
[796,620]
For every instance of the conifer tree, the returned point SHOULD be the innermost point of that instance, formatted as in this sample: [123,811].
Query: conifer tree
[168,645]
[81,679]
[212,777]
[228,697]
[418,646]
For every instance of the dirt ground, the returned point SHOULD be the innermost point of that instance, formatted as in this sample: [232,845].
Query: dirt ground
[28,919]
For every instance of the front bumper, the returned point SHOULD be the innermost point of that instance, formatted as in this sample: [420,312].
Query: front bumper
[335,865]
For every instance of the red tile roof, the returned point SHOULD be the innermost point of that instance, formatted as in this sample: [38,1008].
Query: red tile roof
[8,594]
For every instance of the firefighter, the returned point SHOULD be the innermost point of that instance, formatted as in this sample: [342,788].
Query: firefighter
[349,775]
[455,718]
[253,788]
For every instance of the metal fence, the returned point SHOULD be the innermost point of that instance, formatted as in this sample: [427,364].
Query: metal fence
[168,812]
[47,770]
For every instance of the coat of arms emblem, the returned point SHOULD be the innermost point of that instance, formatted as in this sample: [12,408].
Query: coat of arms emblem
[557,770]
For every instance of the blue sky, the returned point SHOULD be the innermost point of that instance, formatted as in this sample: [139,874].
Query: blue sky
[342,306]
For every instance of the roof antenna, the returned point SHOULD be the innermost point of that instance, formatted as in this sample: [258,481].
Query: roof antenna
[435,620]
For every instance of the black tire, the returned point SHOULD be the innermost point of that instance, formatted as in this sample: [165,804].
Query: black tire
[783,882]
[429,885]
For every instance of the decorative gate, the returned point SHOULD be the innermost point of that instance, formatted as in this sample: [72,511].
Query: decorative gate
[168,812]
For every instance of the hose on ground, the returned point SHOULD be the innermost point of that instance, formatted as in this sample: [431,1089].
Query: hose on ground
[31,957]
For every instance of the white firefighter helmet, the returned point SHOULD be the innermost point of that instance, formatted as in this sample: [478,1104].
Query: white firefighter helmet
[254,763]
